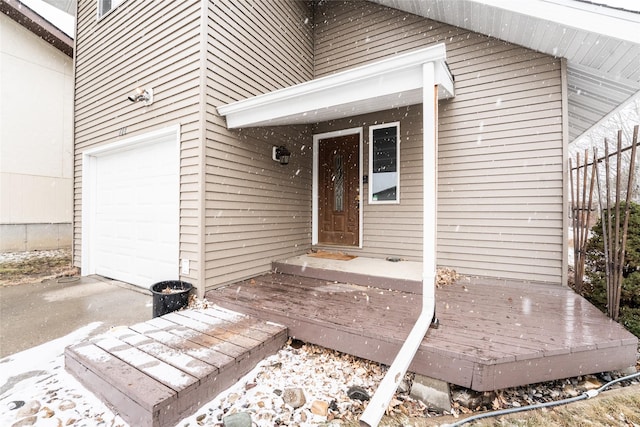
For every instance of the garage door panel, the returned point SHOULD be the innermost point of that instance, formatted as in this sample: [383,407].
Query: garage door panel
[137,213]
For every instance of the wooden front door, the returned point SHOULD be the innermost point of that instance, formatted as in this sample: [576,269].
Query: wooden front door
[339,191]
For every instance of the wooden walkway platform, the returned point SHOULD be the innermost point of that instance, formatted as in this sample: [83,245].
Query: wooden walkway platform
[160,371]
[492,335]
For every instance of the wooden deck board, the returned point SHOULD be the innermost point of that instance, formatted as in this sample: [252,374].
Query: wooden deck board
[175,357]
[157,372]
[180,342]
[289,296]
[491,334]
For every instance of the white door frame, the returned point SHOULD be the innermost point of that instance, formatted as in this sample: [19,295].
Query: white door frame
[89,186]
[314,201]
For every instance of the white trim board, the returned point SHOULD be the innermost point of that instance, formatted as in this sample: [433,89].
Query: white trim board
[393,82]
[90,160]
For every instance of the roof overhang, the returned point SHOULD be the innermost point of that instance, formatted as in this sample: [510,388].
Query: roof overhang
[38,25]
[600,43]
[390,83]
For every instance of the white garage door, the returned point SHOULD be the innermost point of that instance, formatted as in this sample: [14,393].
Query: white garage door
[136,212]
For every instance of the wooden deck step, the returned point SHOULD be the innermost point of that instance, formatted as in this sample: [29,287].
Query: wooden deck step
[402,276]
[157,372]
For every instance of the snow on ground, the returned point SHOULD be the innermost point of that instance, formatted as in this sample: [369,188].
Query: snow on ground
[36,379]
[29,255]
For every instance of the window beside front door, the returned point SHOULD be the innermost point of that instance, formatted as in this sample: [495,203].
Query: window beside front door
[384,163]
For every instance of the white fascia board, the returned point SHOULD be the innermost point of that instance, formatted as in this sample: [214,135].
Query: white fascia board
[575,14]
[401,73]
[58,18]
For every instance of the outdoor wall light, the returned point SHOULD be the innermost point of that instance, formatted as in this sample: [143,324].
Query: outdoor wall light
[142,95]
[281,154]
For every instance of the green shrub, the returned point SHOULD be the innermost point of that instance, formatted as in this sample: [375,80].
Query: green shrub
[595,288]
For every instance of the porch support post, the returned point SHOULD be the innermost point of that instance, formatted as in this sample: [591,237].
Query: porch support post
[380,401]
[430,189]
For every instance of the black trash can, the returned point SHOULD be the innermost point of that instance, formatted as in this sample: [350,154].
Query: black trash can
[170,295]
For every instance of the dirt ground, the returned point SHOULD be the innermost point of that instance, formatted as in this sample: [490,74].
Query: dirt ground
[35,266]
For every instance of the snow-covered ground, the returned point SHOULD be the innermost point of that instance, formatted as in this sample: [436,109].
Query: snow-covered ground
[35,387]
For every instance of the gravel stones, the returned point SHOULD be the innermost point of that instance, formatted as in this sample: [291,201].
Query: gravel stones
[467,398]
[468,401]
[49,396]
[305,386]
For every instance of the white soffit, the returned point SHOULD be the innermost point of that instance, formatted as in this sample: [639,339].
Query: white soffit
[59,18]
[601,44]
[389,83]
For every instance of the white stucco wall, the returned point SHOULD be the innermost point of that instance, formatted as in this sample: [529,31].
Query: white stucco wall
[36,151]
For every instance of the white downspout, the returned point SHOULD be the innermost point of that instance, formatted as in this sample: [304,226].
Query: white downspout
[380,401]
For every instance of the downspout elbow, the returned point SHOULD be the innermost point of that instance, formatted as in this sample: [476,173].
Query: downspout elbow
[380,401]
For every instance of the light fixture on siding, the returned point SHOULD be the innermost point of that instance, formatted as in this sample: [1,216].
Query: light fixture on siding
[281,154]
[142,95]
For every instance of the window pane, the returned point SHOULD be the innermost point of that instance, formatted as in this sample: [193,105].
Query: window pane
[384,179]
[105,6]
[384,150]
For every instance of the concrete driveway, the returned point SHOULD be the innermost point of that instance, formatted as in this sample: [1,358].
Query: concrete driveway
[32,314]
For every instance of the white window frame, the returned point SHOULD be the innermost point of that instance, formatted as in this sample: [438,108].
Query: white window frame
[101,9]
[371,172]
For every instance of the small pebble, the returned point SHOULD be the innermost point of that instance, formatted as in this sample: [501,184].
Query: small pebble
[241,419]
[28,421]
[358,393]
[16,404]
[294,397]
[30,408]
[47,412]
[320,407]
[65,405]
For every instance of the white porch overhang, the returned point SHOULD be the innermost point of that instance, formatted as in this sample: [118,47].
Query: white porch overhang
[389,83]
[418,77]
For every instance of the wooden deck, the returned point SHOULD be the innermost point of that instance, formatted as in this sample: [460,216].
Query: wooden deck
[160,371]
[492,335]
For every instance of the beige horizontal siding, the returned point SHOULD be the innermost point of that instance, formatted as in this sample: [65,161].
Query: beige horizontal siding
[257,211]
[149,44]
[500,145]
[503,127]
